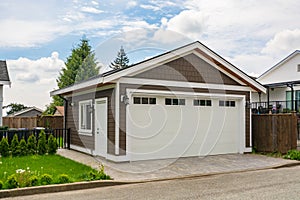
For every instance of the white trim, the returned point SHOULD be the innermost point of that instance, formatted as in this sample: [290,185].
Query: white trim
[117,118]
[87,132]
[286,59]
[143,81]
[105,87]
[177,53]
[5,83]
[114,158]
[178,93]
[78,86]
[82,149]
[248,149]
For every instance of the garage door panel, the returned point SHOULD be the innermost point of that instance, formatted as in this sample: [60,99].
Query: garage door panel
[170,131]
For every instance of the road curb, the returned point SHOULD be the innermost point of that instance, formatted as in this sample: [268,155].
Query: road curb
[59,188]
[108,183]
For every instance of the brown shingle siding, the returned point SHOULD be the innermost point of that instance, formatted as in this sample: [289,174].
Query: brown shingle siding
[189,68]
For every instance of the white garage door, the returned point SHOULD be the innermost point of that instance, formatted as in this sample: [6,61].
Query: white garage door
[171,127]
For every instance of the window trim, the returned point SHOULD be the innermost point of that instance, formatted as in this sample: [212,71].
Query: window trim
[149,102]
[80,130]
[175,101]
[202,102]
[227,103]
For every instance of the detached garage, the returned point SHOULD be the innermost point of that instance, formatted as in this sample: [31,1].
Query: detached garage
[186,102]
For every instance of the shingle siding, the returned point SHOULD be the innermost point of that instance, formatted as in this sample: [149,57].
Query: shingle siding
[3,71]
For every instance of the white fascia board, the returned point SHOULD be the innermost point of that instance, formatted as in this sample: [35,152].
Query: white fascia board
[106,87]
[232,68]
[131,92]
[142,81]
[5,83]
[78,86]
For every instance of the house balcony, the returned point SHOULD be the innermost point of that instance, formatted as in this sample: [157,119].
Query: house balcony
[275,107]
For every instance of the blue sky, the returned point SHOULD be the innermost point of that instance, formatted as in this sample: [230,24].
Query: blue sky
[37,36]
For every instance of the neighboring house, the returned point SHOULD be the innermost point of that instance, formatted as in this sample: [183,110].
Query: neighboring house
[27,112]
[59,111]
[186,102]
[4,80]
[283,86]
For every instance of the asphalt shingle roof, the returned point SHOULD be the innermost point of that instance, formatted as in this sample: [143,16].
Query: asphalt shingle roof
[3,71]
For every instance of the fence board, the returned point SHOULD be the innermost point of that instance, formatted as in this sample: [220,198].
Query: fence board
[274,132]
[54,122]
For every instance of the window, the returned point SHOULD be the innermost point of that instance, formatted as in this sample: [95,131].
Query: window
[202,102]
[85,116]
[136,100]
[226,103]
[144,100]
[298,68]
[169,101]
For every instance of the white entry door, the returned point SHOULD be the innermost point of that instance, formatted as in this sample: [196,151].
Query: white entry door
[101,127]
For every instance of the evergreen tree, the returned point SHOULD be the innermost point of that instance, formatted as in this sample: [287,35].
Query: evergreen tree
[121,60]
[80,65]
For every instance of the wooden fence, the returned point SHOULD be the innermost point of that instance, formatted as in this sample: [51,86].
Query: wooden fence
[53,122]
[274,132]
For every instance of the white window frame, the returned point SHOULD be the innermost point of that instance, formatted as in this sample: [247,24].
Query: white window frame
[85,131]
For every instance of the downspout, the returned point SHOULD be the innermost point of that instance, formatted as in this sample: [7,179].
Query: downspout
[66,138]
[292,95]
[65,110]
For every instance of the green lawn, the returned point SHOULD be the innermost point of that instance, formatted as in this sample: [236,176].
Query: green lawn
[53,165]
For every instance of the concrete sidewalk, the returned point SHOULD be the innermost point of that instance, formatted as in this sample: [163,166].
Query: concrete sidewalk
[176,168]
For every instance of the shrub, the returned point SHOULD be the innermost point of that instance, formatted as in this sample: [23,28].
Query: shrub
[12,182]
[46,179]
[4,147]
[31,145]
[1,185]
[23,147]
[15,148]
[33,181]
[52,145]
[293,155]
[4,128]
[63,178]
[42,146]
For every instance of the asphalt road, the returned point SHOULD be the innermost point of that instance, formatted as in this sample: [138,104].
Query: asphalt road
[272,184]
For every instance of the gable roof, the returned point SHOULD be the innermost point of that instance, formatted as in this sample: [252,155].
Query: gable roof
[59,111]
[195,47]
[24,111]
[4,77]
[286,59]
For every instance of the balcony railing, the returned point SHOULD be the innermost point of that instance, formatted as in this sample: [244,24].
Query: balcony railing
[275,107]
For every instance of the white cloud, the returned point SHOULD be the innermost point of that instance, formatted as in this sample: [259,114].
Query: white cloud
[32,80]
[95,3]
[91,10]
[188,22]
[21,33]
[150,7]
[131,4]
[283,42]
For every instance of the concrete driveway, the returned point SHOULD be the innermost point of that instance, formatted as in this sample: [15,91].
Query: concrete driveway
[176,168]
